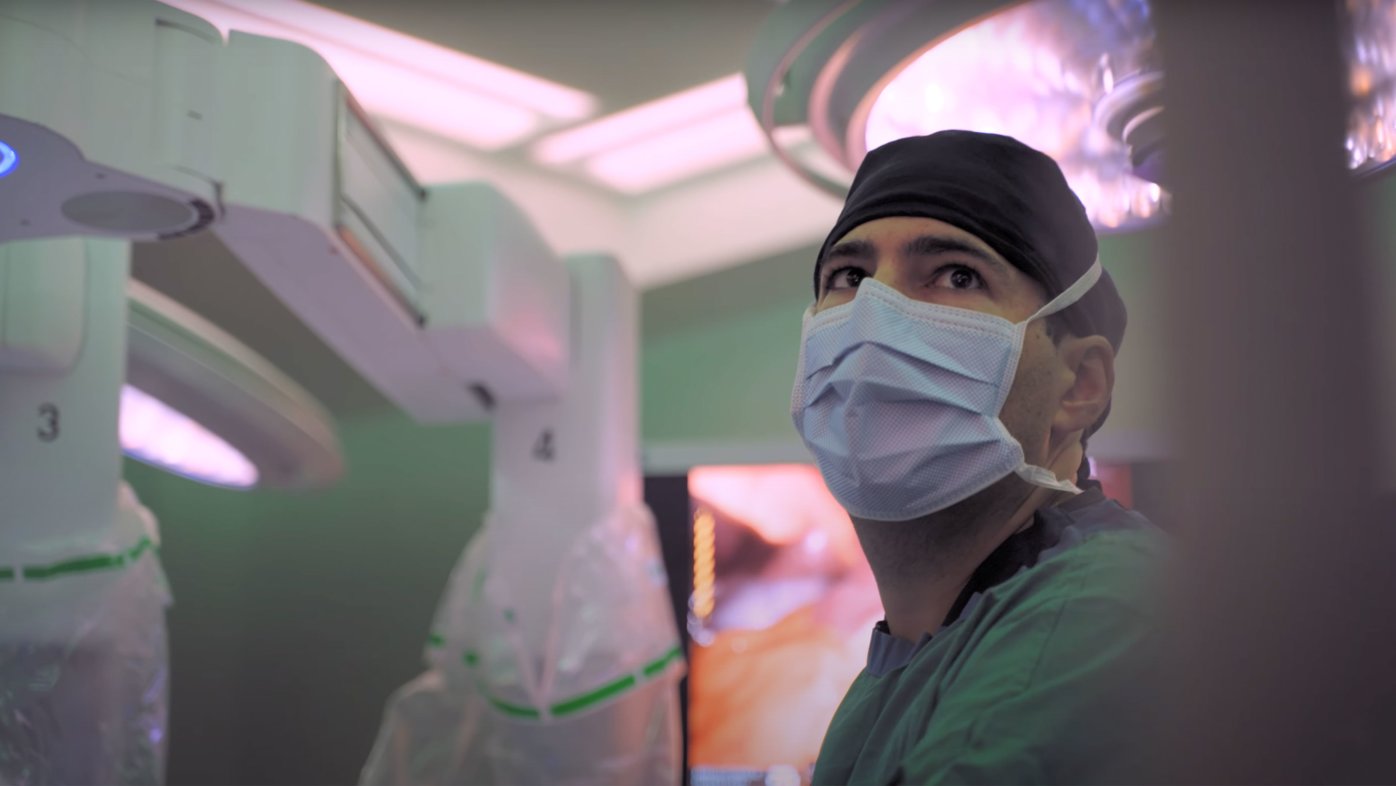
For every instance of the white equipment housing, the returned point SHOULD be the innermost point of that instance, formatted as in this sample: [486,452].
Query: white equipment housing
[104,105]
[447,302]
[555,656]
[109,106]
[170,131]
[82,648]
[61,367]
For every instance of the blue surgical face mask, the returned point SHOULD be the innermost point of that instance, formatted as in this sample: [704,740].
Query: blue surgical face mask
[899,400]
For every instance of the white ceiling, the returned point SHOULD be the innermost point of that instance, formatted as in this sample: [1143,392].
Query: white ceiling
[624,52]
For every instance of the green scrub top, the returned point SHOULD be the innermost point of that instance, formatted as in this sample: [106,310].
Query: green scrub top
[1039,678]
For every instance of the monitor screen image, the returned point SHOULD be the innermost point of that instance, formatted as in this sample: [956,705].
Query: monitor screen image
[782,606]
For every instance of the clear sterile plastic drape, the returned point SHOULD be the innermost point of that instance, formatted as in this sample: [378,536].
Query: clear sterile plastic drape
[83,658]
[596,704]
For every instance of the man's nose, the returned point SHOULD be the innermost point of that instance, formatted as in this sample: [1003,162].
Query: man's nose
[892,274]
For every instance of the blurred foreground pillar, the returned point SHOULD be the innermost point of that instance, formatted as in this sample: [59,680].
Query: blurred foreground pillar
[1283,645]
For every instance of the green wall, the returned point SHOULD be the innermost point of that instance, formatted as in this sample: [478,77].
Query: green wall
[297,614]
[719,352]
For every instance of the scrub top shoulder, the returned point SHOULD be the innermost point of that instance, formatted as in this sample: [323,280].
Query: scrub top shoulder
[1034,681]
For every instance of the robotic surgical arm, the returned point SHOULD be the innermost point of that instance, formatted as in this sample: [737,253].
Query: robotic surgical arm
[554,657]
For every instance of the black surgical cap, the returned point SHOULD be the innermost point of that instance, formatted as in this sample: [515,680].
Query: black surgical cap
[1003,192]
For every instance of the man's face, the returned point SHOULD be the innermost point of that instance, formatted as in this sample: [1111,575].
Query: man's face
[934,262]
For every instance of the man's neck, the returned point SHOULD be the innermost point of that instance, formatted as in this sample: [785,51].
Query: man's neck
[922,566]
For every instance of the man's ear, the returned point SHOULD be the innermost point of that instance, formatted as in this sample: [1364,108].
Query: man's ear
[1091,362]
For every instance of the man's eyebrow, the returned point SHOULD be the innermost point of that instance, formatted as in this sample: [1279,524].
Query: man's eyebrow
[932,245]
[860,250]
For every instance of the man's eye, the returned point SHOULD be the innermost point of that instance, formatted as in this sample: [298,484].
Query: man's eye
[958,277]
[845,278]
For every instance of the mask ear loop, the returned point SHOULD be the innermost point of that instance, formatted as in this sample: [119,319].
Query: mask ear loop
[1041,476]
[1067,298]
[1073,293]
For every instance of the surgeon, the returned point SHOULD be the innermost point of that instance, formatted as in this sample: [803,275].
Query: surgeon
[959,354]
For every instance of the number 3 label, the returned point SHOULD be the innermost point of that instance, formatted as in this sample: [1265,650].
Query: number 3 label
[49,419]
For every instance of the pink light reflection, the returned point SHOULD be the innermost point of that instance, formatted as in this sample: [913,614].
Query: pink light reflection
[155,433]
[400,94]
[377,42]
[408,79]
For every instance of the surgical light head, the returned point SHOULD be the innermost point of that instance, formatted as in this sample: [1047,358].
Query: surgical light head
[9,159]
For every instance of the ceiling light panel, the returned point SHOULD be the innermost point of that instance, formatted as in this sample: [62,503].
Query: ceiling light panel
[642,121]
[661,142]
[681,154]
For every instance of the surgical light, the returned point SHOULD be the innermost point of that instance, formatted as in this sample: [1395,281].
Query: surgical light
[9,159]
[199,403]
[1078,79]
[155,433]
[1371,56]
[1035,72]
